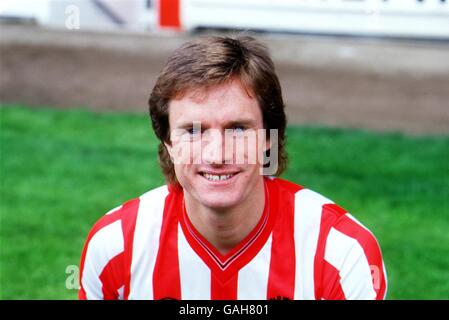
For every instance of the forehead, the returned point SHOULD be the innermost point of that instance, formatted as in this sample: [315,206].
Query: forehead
[224,102]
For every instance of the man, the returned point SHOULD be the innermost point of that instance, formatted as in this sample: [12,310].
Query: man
[225,227]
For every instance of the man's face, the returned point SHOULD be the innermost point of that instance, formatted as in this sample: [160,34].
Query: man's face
[216,151]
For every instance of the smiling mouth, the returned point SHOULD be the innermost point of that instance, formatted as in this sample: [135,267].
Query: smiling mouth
[215,177]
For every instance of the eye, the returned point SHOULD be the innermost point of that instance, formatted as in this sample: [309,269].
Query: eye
[238,129]
[193,131]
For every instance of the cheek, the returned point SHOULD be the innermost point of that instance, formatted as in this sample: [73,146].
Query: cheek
[197,147]
[183,168]
[186,152]
[185,174]
[252,151]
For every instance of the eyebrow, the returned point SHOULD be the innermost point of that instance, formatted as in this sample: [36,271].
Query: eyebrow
[245,122]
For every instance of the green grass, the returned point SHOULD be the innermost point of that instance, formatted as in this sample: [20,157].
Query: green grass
[61,170]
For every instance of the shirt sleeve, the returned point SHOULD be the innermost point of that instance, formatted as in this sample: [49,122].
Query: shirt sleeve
[101,266]
[353,267]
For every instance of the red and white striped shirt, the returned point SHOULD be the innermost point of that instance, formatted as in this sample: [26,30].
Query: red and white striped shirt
[304,247]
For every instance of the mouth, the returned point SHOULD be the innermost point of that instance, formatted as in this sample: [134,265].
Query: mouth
[218,177]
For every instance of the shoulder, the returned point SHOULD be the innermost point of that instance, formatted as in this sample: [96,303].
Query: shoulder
[110,230]
[308,205]
[106,256]
[153,200]
[304,197]
[344,251]
[352,251]
[332,226]
[348,240]
[312,206]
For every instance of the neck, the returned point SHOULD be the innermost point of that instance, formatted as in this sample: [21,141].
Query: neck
[225,228]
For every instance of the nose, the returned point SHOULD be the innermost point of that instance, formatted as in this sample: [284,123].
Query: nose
[213,151]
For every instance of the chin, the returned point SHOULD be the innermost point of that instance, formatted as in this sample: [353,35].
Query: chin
[218,201]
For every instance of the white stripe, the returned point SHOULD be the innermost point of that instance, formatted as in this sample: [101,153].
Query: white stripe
[146,243]
[102,247]
[308,211]
[386,280]
[194,274]
[347,256]
[113,210]
[120,292]
[253,278]
[383,265]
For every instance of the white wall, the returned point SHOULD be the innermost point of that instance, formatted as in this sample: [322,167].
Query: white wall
[53,13]
[38,9]
[402,18]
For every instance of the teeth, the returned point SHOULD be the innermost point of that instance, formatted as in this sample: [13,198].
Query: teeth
[213,177]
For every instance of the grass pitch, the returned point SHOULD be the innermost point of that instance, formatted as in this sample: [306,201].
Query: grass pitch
[61,170]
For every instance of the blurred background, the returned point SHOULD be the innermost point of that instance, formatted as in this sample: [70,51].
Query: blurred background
[366,86]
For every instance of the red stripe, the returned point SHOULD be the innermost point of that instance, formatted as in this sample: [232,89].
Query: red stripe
[103,222]
[166,278]
[281,279]
[169,14]
[111,277]
[82,294]
[224,291]
[371,249]
[328,217]
[347,226]
[333,289]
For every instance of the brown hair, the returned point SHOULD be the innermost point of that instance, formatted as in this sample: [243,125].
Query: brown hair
[207,62]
